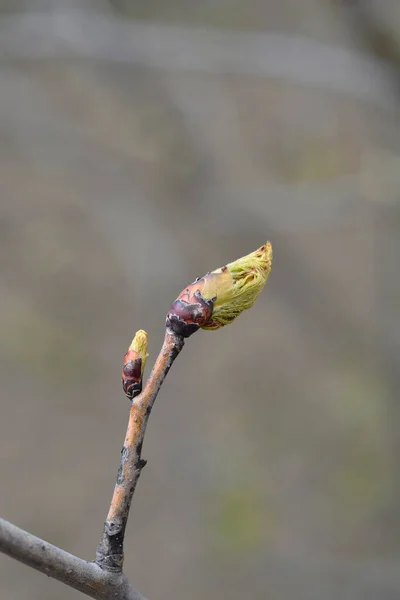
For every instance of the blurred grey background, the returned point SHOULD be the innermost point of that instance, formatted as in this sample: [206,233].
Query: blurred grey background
[143,144]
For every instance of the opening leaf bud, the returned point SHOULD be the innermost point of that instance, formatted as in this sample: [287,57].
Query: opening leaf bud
[134,364]
[216,299]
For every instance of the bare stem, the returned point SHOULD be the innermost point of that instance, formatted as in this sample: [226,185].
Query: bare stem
[87,577]
[110,552]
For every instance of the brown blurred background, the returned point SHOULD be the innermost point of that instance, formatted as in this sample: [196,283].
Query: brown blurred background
[143,144]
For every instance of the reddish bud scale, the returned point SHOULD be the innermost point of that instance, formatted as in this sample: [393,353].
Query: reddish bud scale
[189,311]
[132,374]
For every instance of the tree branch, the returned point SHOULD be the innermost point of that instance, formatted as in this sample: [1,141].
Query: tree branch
[110,552]
[104,578]
[210,302]
[86,577]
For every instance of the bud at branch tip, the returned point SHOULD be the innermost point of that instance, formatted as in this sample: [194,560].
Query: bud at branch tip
[217,298]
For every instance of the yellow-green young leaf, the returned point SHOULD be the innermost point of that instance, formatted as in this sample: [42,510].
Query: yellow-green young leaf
[237,286]
[139,345]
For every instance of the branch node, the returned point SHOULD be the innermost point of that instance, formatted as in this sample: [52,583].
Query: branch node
[113,527]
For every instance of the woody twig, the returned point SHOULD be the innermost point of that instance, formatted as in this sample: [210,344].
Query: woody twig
[210,302]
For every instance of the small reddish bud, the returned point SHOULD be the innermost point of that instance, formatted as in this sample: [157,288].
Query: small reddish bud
[134,364]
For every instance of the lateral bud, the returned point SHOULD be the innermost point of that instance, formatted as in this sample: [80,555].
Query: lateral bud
[134,364]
